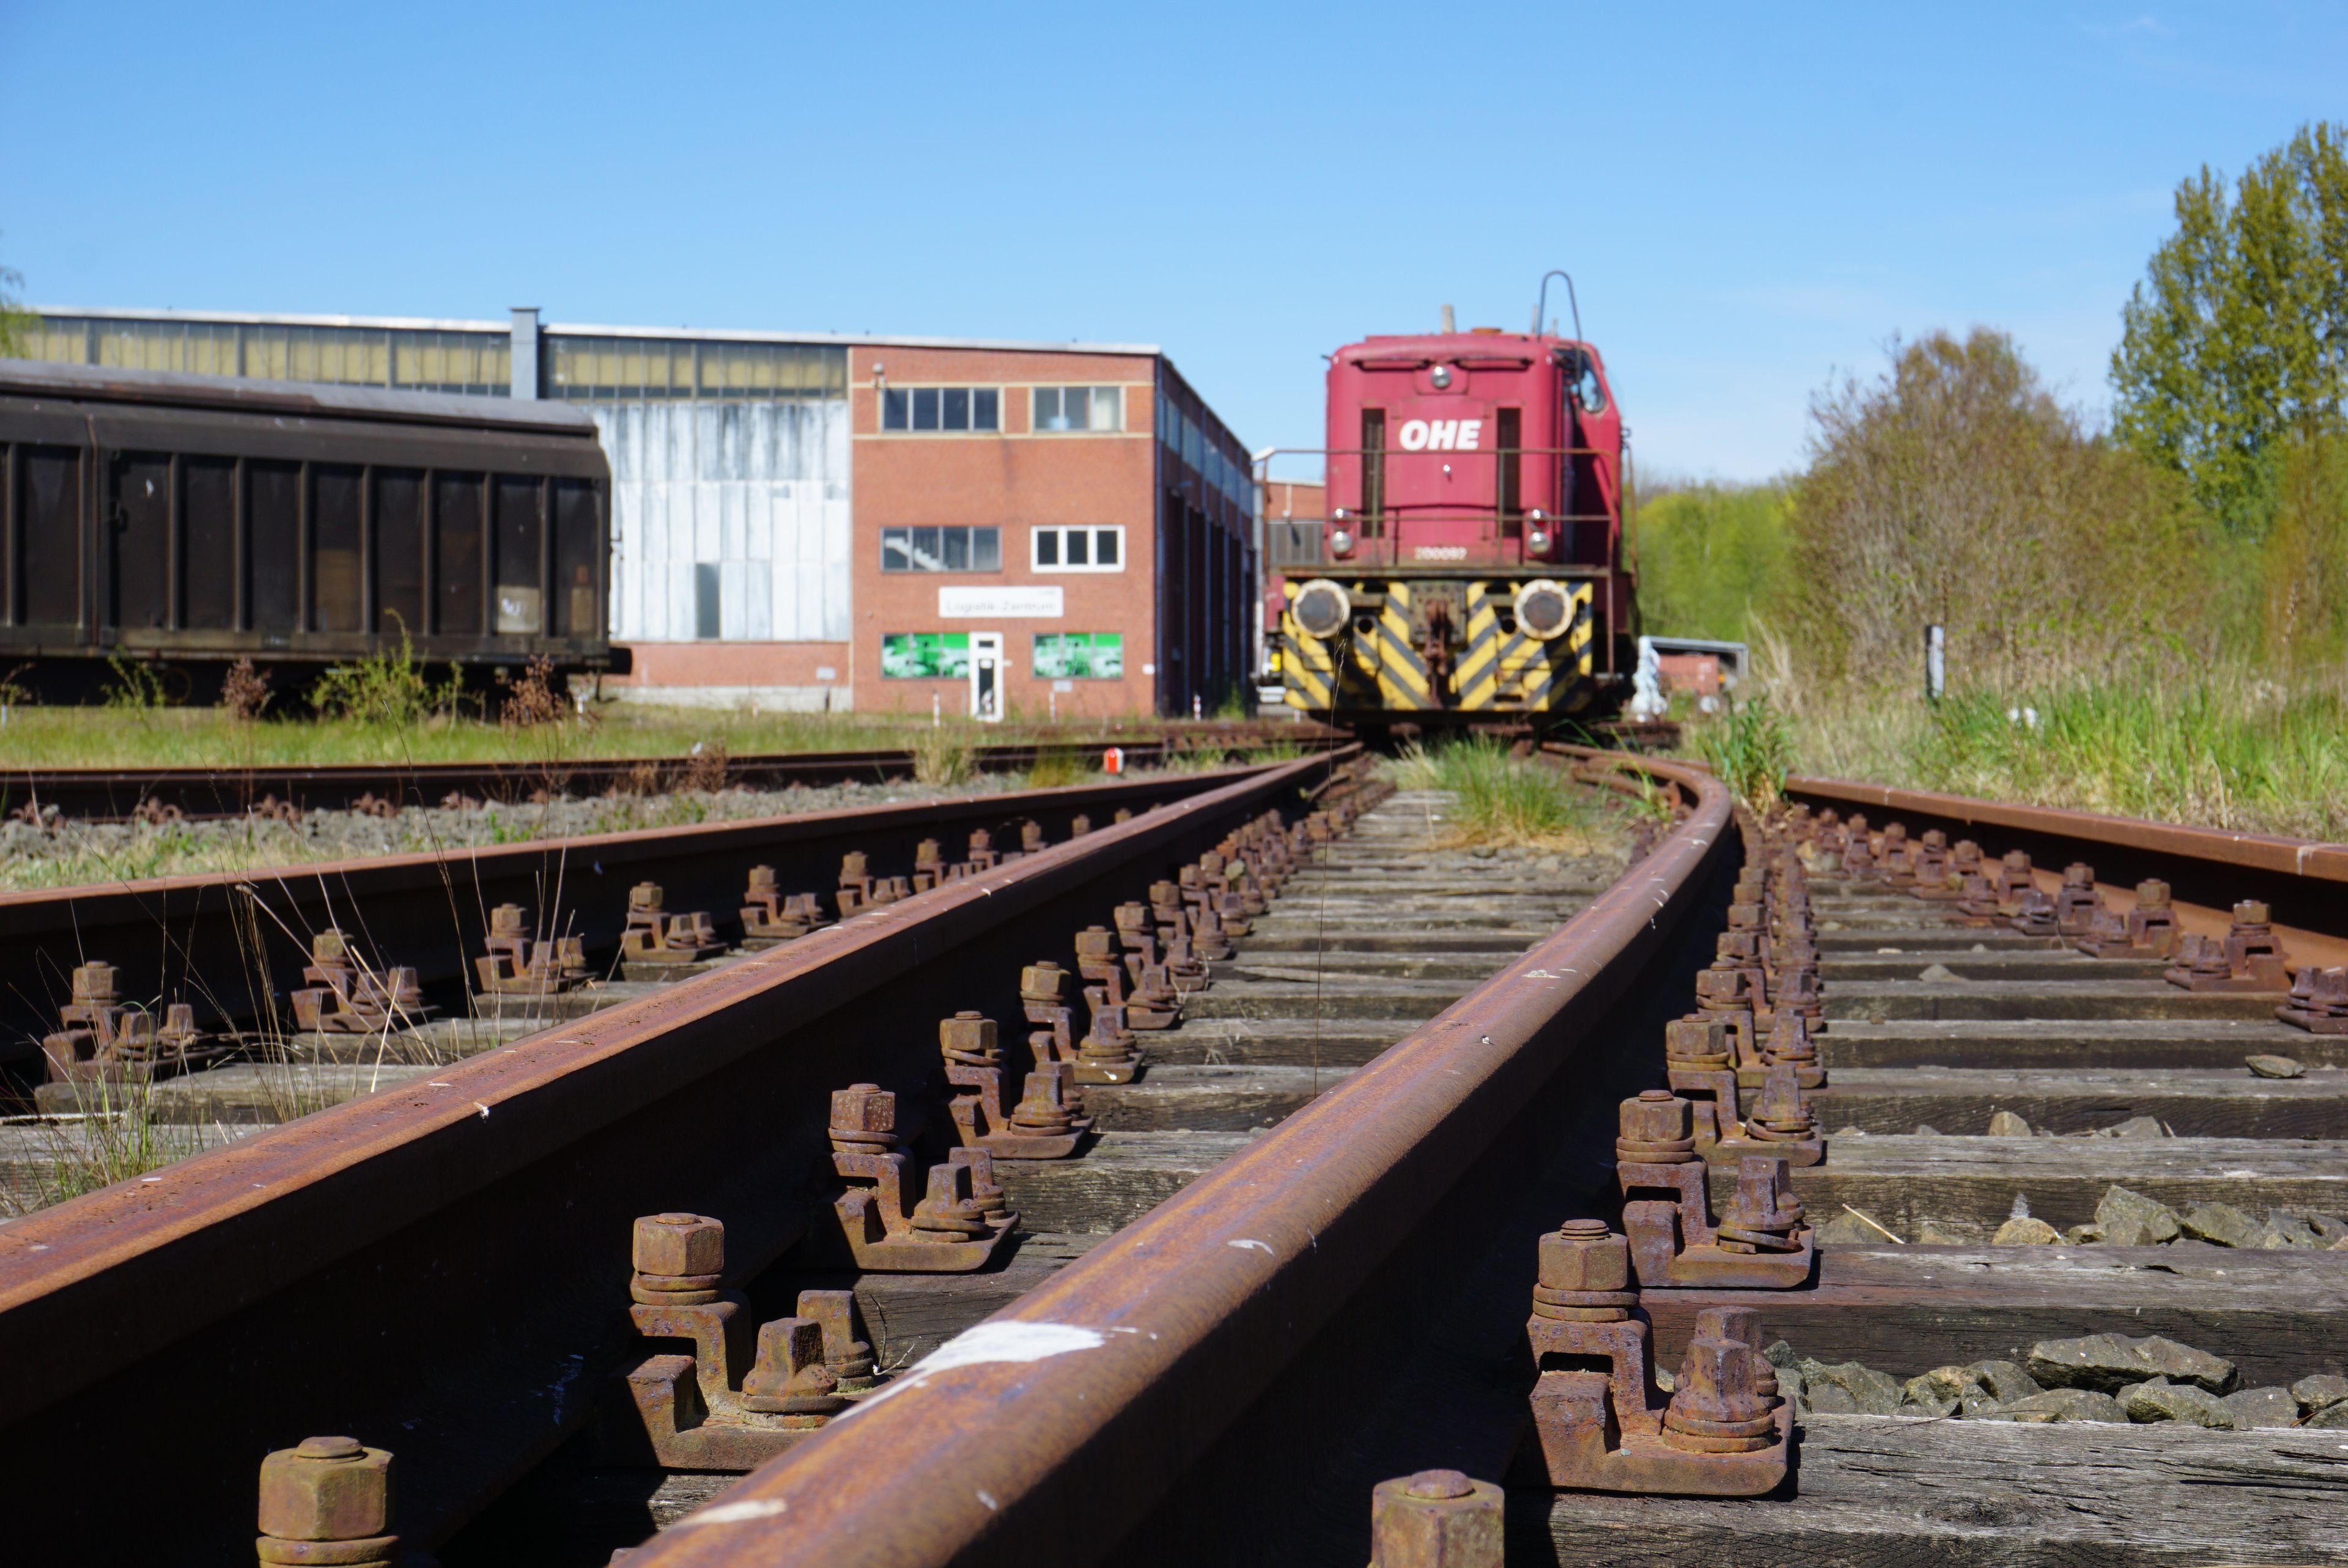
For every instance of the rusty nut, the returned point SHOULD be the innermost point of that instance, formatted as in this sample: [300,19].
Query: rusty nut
[863,1108]
[1094,942]
[970,1033]
[674,1245]
[329,1489]
[1584,1254]
[1656,1116]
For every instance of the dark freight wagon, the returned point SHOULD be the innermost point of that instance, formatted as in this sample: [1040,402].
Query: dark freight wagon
[192,520]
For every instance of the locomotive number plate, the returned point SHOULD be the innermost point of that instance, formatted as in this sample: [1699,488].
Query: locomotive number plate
[1440,552]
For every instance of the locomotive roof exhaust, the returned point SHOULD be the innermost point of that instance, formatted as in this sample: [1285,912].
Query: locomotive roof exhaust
[1448,327]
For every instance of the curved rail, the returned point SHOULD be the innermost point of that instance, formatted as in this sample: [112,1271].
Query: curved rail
[1069,1419]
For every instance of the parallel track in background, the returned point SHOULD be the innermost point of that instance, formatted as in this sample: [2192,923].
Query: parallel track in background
[1249,1328]
[118,793]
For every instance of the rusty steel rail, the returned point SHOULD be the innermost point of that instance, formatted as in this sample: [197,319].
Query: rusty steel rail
[226,940]
[440,1263]
[1185,1391]
[118,793]
[2305,882]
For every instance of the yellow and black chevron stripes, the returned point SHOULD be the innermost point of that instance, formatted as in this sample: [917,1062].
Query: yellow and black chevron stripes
[1402,673]
[1382,669]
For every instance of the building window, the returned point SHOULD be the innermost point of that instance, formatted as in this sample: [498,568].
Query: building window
[925,655]
[943,409]
[1079,408]
[942,549]
[1078,549]
[1080,655]
[706,601]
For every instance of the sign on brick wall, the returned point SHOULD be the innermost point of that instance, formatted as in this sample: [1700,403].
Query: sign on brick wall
[1000,603]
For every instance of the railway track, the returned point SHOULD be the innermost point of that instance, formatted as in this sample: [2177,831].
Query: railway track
[1296,1258]
[161,793]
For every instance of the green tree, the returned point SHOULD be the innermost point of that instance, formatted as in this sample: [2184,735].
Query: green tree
[1711,557]
[15,322]
[2236,341]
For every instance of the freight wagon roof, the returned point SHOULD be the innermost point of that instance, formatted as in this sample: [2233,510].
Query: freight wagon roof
[105,383]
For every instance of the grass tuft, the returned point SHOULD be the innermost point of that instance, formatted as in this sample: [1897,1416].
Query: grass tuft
[1502,800]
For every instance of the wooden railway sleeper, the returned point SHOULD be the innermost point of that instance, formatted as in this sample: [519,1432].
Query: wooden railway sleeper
[1725,1431]
[1046,1124]
[738,1399]
[345,998]
[950,1231]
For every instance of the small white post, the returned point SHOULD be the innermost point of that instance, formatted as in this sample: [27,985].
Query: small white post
[1936,663]
[937,712]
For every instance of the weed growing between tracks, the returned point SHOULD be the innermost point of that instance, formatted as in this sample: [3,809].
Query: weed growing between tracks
[1502,800]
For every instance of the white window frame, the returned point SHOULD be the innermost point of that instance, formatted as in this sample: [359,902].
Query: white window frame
[1059,531]
[1035,426]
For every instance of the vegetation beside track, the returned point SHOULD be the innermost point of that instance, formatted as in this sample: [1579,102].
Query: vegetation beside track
[2149,617]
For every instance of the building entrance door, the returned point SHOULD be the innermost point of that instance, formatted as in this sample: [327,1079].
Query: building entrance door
[986,676]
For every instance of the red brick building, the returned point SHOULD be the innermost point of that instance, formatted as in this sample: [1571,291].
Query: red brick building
[1078,516]
[810,521]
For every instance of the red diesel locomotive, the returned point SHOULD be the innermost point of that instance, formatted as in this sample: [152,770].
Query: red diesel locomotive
[1472,555]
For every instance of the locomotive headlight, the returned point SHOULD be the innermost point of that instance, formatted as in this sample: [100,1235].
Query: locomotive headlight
[1536,541]
[1544,609]
[1322,609]
[1441,376]
[1341,543]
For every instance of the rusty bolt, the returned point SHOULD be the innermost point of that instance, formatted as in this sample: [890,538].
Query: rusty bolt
[2151,894]
[506,920]
[864,1113]
[676,1246]
[1655,1116]
[2253,912]
[762,880]
[789,1377]
[1583,1254]
[93,984]
[853,866]
[1080,825]
[327,1489]
[1094,942]
[1694,1039]
[969,1036]
[948,1209]
[328,947]
[1042,982]
[1435,1519]
[646,896]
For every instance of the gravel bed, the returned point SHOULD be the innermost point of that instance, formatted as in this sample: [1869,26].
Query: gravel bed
[62,853]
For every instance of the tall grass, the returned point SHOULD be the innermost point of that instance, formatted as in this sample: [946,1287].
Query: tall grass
[1499,799]
[1750,748]
[2226,750]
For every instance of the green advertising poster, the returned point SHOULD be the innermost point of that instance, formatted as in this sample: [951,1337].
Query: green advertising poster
[925,655]
[1080,655]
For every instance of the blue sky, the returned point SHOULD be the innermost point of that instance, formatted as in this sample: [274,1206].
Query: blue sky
[1750,201]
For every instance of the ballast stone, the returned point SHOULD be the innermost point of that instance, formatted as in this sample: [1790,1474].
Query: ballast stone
[2109,1362]
[2159,1399]
[2274,1066]
[2025,1231]
[2254,1407]
[2058,1405]
[2320,1392]
[2131,1219]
